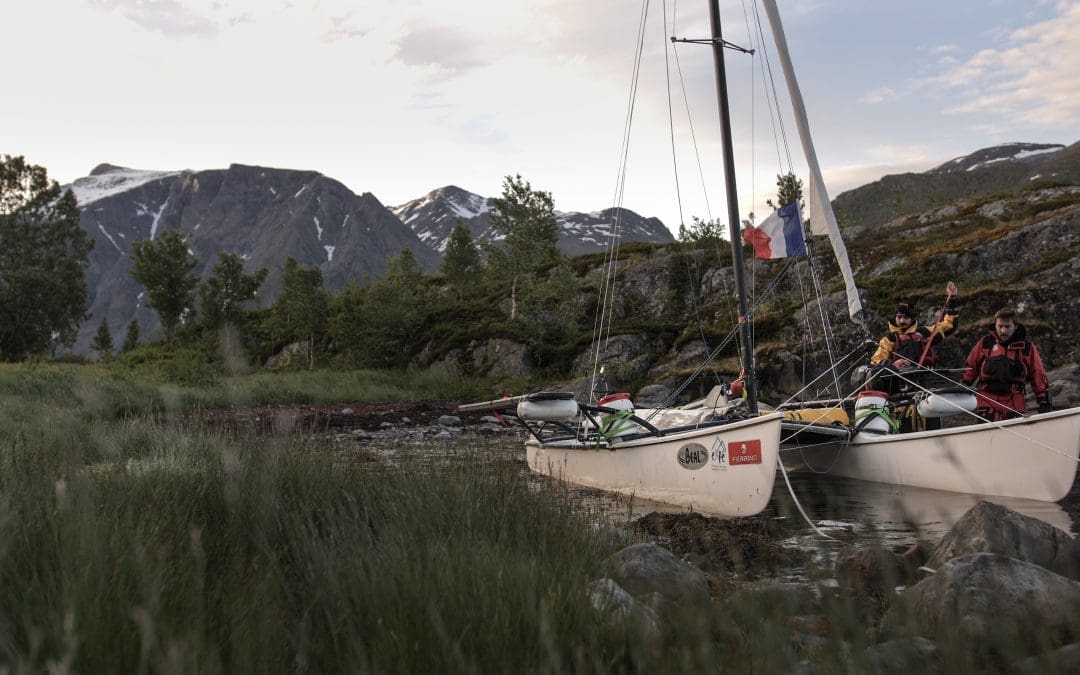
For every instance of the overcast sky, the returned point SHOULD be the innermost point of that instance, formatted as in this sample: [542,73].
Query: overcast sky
[399,97]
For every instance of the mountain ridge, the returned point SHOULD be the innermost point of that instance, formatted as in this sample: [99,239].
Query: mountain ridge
[1006,167]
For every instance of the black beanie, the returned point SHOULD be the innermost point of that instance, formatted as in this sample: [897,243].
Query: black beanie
[906,308]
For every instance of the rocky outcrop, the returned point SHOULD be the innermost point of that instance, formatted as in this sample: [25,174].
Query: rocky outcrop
[985,598]
[992,528]
[502,358]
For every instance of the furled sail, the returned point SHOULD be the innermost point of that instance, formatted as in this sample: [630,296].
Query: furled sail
[822,219]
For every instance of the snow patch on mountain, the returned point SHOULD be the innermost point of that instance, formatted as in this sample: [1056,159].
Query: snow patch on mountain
[111,180]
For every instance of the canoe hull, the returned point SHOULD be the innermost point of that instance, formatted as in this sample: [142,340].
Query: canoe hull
[1031,458]
[726,470]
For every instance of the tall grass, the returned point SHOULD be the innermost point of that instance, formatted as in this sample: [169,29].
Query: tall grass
[127,545]
[116,391]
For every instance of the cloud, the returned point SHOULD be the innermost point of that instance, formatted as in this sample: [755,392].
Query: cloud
[1031,78]
[448,49]
[168,17]
[879,95]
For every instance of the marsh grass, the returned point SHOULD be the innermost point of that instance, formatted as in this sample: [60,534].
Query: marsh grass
[128,545]
[114,391]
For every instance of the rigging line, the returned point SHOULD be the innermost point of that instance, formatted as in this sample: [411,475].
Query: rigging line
[606,299]
[826,324]
[693,134]
[724,343]
[835,366]
[671,119]
[1000,425]
[772,86]
[675,170]
[691,270]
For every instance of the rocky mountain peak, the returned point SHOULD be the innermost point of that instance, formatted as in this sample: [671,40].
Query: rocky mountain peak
[1007,152]
[107,168]
[434,216]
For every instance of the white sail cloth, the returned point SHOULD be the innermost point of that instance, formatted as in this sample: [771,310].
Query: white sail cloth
[822,219]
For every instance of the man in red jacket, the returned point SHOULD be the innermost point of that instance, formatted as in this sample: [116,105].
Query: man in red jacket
[1003,362]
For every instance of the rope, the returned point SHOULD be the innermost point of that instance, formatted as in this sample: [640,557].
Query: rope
[798,505]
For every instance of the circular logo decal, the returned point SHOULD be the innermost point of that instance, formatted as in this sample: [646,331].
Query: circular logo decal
[692,456]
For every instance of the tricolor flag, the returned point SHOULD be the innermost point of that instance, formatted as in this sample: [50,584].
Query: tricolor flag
[779,236]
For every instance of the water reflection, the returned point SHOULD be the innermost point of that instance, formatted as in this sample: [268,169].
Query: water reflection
[899,515]
[859,511]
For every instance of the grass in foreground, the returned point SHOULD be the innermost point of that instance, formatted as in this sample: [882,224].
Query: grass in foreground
[131,546]
[115,391]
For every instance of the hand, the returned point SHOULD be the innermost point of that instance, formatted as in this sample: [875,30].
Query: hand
[870,346]
[1044,404]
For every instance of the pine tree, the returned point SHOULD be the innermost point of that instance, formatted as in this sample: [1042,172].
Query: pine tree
[131,340]
[224,293]
[43,257]
[301,311]
[461,263]
[788,190]
[103,342]
[165,269]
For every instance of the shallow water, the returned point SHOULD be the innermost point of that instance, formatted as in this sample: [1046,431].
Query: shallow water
[901,515]
[861,512]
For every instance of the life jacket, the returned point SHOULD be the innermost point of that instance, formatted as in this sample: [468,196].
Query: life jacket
[1004,368]
[909,347]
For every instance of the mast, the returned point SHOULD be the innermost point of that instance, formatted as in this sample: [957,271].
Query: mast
[746,345]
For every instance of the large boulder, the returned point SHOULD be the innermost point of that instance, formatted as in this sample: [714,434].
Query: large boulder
[607,596]
[647,569]
[992,528]
[992,604]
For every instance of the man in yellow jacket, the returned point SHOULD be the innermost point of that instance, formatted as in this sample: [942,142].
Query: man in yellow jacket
[908,344]
[906,347]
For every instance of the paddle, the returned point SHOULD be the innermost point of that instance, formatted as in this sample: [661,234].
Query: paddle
[950,293]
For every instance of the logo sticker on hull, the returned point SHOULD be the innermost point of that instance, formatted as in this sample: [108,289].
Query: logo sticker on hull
[692,456]
[745,452]
[719,455]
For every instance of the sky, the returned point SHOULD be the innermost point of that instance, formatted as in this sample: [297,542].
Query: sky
[399,98]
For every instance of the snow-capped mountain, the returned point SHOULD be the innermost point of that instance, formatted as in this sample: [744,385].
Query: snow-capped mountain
[434,216]
[1007,152]
[263,215]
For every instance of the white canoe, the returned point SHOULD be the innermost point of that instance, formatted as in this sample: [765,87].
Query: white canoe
[1031,458]
[726,469]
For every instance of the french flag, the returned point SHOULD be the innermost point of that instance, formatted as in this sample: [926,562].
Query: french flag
[780,235]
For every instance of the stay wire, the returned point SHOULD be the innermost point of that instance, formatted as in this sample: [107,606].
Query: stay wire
[605,308]
[732,334]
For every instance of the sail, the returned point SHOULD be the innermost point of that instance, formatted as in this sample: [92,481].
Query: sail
[822,218]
